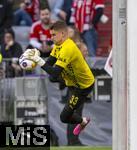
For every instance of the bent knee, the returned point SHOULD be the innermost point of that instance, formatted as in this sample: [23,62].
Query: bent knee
[63,118]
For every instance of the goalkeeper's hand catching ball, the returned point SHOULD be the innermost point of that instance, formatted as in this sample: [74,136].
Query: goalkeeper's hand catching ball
[34,55]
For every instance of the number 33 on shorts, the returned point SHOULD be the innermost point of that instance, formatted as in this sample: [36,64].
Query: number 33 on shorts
[73,100]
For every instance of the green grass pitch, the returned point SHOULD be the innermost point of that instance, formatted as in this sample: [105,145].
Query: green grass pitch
[80,148]
[61,148]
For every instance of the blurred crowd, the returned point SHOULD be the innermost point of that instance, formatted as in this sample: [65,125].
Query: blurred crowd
[34,17]
[81,16]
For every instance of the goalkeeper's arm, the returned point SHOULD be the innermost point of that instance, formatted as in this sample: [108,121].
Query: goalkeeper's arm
[53,71]
[51,60]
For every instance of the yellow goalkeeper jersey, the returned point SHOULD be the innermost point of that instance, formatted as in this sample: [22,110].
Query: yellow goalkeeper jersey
[76,70]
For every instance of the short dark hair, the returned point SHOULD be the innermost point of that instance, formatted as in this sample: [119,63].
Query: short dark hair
[44,5]
[43,8]
[58,25]
[10,31]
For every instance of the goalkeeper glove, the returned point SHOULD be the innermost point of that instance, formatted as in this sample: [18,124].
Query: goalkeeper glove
[34,55]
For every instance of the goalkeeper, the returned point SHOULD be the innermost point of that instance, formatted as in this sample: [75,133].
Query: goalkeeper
[67,61]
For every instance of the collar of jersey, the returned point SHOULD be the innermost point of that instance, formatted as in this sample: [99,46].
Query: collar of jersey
[60,46]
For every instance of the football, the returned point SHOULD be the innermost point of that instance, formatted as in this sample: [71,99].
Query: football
[26,63]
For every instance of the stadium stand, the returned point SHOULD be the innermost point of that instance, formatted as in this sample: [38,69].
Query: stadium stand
[105,31]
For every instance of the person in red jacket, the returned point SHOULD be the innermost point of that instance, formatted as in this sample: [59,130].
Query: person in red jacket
[40,37]
[85,16]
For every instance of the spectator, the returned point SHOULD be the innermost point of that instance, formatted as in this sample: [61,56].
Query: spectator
[85,16]
[65,11]
[33,8]
[6,16]
[11,49]
[27,13]
[75,36]
[55,7]
[40,37]
[61,10]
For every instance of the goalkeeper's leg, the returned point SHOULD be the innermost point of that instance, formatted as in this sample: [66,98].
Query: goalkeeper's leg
[68,115]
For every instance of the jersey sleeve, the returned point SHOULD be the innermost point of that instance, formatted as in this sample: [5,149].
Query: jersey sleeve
[65,57]
[34,32]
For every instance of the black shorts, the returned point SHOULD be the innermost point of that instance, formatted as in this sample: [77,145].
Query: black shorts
[78,96]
